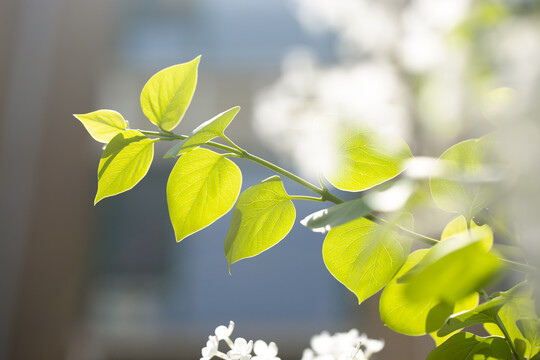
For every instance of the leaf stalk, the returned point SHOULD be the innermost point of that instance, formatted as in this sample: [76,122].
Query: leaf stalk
[323,192]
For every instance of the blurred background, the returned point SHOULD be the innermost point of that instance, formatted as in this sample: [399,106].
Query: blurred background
[110,282]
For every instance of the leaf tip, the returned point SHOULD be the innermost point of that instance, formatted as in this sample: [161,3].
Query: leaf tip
[196,61]
[97,199]
[79,117]
[180,237]
[229,263]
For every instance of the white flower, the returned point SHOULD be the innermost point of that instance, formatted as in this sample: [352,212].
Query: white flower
[339,343]
[211,348]
[241,349]
[308,354]
[353,354]
[265,352]
[342,346]
[371,346]
[322,343]
[223,332]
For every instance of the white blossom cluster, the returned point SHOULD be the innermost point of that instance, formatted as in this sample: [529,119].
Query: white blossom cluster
[340,346]
[240,348]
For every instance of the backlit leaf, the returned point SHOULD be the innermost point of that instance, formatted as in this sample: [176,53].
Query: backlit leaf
[208,130]
[452,270]
[103,125]
[366,159]
[408,317]
[458,228]
[202,187]
[468,303]
[519,305]
[364,256]
[125,161]
[465,183]
[466,346]
[486,314]
[263,216]
[482,314]
[167,95]
[530,329]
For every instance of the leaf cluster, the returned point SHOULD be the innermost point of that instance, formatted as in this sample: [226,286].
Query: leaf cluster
[367,247]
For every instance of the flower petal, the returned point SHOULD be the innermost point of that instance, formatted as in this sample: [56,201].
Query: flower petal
[223,332]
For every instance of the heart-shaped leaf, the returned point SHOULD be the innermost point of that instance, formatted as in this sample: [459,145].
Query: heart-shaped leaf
[263,216]
[453,269]
[202,187]
[465,183]
[167,95]
[364,256]
[365,159]
[125,161]
[408,317]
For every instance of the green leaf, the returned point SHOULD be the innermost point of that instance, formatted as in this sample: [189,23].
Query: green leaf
[458,228]
[518,305]
[466,346]
[367,159]
[485,313]
[452,270]
[262,217]
[364,256]
[103,125]
[484,233]
[326,219]
[205,132]
[210,129]
[167,95]
[202,187]
[125,161]
[408,317]
[468,303]
[530,329]
[465,184]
